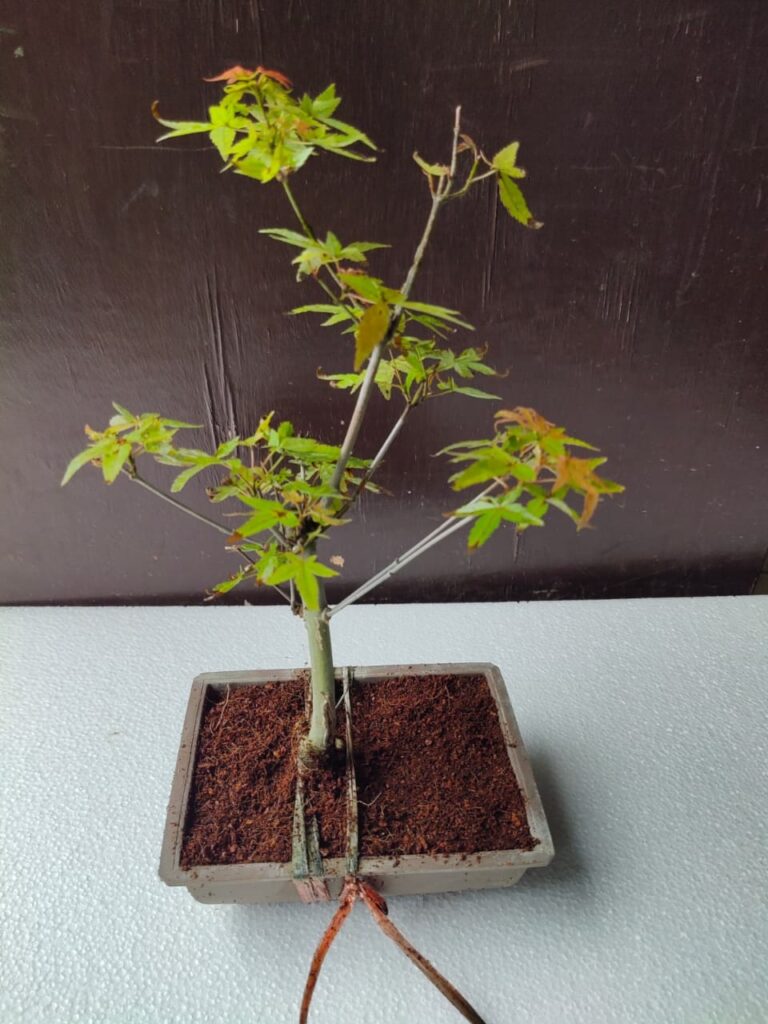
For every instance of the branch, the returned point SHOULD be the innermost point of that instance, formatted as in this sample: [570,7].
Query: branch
[388,442]
[177,504]
[455,147]
[375,358]
[377,460]
[445,529]
[196,515]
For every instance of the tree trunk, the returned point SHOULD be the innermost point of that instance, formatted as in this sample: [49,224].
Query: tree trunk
[322,725]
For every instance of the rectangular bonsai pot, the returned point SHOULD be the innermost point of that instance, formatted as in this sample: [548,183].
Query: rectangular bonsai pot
[407,875]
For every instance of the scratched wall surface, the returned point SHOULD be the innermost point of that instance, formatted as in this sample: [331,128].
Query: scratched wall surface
[636,316]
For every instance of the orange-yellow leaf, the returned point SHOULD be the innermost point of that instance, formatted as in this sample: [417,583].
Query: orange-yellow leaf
[528,418]
[277,75]
[591,499]
[371,330]
[580,475]
[231,74]
[237,72]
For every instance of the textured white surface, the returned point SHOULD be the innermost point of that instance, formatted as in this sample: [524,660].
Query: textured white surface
[646,725]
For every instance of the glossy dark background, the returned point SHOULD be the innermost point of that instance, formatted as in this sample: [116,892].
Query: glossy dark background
[636,317]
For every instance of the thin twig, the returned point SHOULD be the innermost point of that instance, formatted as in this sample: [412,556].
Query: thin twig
[177,504]
[197,515]
[200,518]
[455,147]
[376,461]
[275,587]
[388,442]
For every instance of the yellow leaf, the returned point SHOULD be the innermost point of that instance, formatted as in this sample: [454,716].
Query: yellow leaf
[371,330]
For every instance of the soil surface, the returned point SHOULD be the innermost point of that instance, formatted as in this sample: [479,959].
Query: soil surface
[433,774]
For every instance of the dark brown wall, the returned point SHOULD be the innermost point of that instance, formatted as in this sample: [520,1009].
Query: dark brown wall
[636,317]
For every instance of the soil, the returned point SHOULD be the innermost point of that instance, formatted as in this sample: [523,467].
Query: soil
[432,769]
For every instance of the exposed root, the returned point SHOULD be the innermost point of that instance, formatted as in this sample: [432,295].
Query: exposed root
[355,888]
[378,909]
[348,897]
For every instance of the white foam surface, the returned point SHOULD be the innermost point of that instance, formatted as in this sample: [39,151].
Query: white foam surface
[646,726]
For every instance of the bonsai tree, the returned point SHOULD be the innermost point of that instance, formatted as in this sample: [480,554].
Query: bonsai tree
[291,491]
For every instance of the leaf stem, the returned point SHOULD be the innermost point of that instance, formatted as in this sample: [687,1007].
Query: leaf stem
[472,180]
[297,210]
[311,234]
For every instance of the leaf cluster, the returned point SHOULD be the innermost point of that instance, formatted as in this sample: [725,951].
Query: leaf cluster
[126,435]
[278,480]
[419,370]
[316,254]
[503,167]
[374,312]
[263,132]
[273,566]
[531,468]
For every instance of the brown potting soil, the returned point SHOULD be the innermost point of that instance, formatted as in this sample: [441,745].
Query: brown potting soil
[433,774]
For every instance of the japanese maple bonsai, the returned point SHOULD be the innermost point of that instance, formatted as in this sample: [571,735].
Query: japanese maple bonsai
[291,491]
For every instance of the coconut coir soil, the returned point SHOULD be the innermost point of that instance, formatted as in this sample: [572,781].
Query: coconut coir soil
[433,774]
